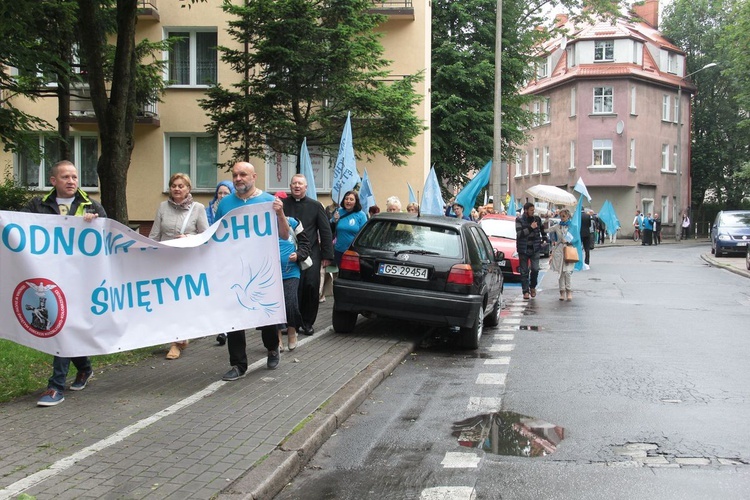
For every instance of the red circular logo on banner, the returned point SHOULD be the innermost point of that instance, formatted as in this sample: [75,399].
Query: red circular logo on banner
[40,307]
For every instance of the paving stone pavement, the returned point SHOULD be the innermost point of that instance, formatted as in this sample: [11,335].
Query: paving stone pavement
[172,429]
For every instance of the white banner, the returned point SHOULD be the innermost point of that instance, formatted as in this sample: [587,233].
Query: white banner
[75,288]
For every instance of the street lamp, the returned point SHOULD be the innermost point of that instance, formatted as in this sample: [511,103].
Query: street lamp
[499,173]
[678,231]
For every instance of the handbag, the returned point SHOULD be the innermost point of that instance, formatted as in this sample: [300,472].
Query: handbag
[570,254]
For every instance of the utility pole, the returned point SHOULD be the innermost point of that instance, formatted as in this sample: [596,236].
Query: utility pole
[498,186]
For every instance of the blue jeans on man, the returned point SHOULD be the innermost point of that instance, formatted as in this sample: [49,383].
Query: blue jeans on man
[529,273]
[60,367]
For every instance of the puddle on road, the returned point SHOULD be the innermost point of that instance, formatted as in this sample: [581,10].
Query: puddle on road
[509,433]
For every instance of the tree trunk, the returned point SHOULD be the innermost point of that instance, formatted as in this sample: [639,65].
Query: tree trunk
[116,113]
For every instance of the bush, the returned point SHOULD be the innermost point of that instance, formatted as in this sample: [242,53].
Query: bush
[12,196]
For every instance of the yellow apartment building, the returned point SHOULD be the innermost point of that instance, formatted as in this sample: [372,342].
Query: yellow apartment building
[170,136]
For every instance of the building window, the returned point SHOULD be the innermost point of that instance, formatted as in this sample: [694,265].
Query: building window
[545,160]
[573,92]
[526,164]
[572,155]
[676,109]
[571,55]
[632,153]
[193,58]
[35,173]
[542,67]
[664,209]
[519,172]
[194,154]
[604,50]
[632,100]
[602,152]
[537,111]
[280,167]
[672,63]
[603,100]
[546,110]
[674,157]
[665,157]
[535,169]
[665,105]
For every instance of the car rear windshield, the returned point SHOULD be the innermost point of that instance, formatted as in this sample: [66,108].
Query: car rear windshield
[499,228]
[398,236]
[736,220]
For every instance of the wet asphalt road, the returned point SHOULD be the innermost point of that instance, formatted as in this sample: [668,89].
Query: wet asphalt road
[641,381]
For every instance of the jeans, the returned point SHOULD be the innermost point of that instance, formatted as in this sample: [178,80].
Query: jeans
[60,367]
[236,345]
[530,276]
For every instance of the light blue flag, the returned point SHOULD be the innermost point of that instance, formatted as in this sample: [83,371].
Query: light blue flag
[345,175]
[468,195]
[432,198]
[511,207]
[609,217]
[305,168]
[575,231]
[412,196]
[366,194]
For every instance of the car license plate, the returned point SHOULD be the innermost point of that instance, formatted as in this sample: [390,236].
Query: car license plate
[419,273]
[742,244]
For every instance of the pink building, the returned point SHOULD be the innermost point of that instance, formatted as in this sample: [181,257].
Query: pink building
[607,112]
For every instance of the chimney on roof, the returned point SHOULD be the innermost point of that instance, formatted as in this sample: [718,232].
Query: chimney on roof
[561,19]
[648,11]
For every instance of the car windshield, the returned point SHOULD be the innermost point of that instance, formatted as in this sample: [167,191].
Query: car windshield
[410,237]
[736,220]
[499,228]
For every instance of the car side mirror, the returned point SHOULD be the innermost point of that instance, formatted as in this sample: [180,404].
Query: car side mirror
[499,255]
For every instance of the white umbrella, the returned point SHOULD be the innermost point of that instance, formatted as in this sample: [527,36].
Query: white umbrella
[552,194]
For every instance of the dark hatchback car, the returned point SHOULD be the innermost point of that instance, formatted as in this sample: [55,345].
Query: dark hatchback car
[730,232]
[427,269]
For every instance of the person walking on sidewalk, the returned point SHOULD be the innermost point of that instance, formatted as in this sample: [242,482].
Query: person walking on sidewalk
[685,226]
[65,198]
[311,214]
[529,237]
[558,234]
[246,193]
[293,251]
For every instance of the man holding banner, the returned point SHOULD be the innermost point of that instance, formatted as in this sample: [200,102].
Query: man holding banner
[246,193]
[65,199]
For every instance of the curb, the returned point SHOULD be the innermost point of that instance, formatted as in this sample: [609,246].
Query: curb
[736,270]
[268,478]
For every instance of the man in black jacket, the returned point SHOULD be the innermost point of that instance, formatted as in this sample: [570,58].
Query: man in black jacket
[318,230]
[586,235]
[529,237]
[65,199]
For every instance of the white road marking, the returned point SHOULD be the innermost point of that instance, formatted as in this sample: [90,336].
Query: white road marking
[512,321]
[504,360]
[503,336]
[479,404]
[457,460]
[502,347]
[448,493]
[491,379]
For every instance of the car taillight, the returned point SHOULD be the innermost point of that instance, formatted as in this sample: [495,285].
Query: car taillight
[350,261]
[461,274]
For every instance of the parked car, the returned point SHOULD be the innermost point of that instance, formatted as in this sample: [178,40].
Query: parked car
[428,269]
[501,230]
[730,232]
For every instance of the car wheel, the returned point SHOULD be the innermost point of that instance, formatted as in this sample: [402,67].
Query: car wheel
[469,337]
[747,258]
[493,319]
[343,321]
[718,250]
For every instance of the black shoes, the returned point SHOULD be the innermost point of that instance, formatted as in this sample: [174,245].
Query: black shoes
[307,330]
[221,338]
[273,359]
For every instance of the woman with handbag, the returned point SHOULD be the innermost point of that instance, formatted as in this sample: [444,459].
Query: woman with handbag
[559,261]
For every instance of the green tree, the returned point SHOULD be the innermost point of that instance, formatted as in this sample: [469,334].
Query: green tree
[463,76]
[719,141]
[303,66]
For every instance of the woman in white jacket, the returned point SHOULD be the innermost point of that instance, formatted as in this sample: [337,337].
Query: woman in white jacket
[558,235]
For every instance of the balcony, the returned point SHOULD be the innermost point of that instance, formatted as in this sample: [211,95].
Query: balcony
[147,11]
[394,9]
[82,112]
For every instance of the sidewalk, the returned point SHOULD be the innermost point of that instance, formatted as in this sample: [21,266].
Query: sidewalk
[173,429]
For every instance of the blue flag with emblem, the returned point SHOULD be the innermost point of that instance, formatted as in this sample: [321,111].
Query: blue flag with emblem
[345,175]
